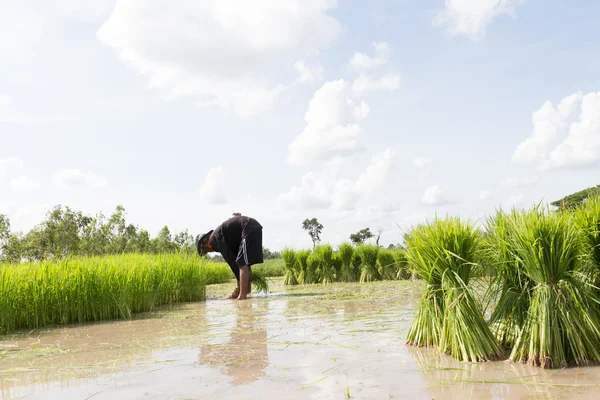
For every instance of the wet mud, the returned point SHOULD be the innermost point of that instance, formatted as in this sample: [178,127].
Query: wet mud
[309,342]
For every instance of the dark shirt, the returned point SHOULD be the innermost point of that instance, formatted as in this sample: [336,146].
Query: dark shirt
[227,237]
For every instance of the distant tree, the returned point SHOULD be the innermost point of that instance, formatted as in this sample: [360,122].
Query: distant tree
[361,236]
[573,200]
[379,232]
[184,242]
[270,255]
[314,229]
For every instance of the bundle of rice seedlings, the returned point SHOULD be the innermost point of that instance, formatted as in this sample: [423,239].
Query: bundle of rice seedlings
[313,264]
[356,265]
[302,265]
[386,264]
[509,287]
[402,269]
[260,283]
[289,262]
[324,255]
[587,218]
[347,273]
[368,255]
[337,264]
[562,324]
[443,254]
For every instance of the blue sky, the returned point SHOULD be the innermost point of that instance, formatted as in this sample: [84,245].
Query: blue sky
[357,113]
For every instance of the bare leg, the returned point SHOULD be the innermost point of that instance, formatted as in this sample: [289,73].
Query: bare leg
[244,282]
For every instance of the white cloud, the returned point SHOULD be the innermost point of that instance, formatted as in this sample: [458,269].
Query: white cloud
[434,196]
[8,164]
[332,128]
[365,83]
[308,74]
[515,201]
[422,163]
[559,142]
[24,184]
[485,195]
[4,99]
[522,182]
[70,178]
[325,190]
[470,17]
[213,190]
[361,61]
[224,52]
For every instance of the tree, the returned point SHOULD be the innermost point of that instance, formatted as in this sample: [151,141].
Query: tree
[361,236]
[574,200]
[314,229]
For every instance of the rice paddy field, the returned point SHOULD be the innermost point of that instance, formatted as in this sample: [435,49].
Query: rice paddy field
[505,308]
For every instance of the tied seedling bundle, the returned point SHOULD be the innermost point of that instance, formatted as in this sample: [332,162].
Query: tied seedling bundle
[562,324]
[444,253]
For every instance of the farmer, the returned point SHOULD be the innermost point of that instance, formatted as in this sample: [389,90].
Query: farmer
[239,240]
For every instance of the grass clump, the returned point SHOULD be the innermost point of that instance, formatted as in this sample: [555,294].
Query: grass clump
[562,325]
[444,254]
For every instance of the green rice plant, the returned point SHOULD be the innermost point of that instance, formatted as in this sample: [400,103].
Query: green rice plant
[85,289]
[509,286]
[587,219]
[402,269]
[386,264]
[562,324]
[347,273]
[259,281]
[443,254]
[290,260]
[368,255]
[313,267]
[302,265]
[337,265]
[324,255]
[356,265]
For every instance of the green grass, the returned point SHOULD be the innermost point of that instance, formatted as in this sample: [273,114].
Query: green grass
[86,289]
[444,253]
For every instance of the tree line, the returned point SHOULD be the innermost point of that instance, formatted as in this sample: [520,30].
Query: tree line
[66,232]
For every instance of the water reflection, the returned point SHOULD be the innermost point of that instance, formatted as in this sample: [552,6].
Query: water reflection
[244,357]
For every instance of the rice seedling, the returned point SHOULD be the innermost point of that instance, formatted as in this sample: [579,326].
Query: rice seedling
[403,271]
[290,260]
[368,255]
[313,268]
[324,255]
[443,254]
[509,287]
[302,265]
[587,218]
[386,264]
[347,273]
[86,289]
[562,324]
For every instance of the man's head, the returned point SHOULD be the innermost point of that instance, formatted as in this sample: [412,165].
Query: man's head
[202,244]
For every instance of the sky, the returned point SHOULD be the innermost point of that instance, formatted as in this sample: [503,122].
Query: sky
[375,114]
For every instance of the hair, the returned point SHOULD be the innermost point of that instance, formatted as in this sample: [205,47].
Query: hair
[237,214]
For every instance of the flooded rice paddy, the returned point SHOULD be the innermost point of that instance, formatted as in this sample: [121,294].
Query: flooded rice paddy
[313,342]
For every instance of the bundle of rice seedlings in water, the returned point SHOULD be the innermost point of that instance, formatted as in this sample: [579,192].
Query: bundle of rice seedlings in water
[444,253]
[260,283]
[368,255]
[302,265]
[347,273]
[313,264]
[386,264]
[509,287]
[356,265]
[587,218]
[324,255]
[337,264]
[402,269]
[289,262]
[562,324]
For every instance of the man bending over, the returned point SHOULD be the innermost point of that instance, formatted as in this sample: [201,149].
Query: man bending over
[239,240]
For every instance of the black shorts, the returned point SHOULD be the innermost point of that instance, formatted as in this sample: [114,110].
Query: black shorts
[251,249]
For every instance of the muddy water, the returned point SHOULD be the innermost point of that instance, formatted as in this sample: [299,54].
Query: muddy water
[301,343]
